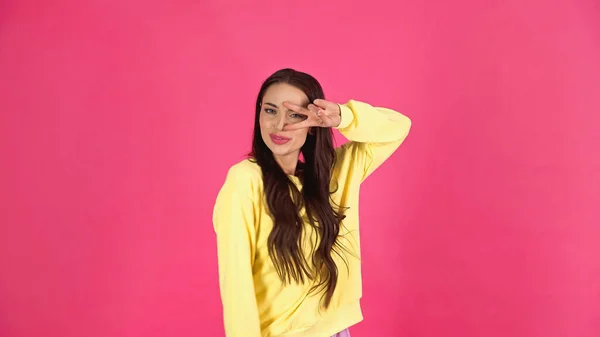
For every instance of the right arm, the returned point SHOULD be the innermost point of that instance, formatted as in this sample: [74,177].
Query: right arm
[233,219]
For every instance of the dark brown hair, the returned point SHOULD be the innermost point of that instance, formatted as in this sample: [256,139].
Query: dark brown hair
[285,240]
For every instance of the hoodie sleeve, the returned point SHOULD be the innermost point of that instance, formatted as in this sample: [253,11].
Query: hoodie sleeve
[374,134]
[234,224]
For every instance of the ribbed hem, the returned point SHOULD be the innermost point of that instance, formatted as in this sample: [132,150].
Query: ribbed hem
[336,321]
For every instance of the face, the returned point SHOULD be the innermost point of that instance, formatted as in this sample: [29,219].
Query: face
[274,116]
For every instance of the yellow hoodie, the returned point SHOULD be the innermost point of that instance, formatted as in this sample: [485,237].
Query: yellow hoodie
[255,301]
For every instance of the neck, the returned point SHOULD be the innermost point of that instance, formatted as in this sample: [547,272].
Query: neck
[288,163]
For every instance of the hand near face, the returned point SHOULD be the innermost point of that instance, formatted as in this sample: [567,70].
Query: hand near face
[321,113]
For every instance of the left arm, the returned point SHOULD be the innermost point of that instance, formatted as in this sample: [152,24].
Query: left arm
[374,134]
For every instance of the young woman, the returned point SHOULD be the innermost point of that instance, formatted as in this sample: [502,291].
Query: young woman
[286,218]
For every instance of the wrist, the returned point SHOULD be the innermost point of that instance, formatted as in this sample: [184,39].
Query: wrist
[340,114]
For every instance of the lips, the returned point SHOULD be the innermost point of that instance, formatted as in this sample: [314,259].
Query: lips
[279,140]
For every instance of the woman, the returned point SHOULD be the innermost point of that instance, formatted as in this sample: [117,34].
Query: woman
[287,229]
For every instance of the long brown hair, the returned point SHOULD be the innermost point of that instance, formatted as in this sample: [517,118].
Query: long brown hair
[285,240]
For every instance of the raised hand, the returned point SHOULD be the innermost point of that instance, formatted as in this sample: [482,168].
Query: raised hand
[320,113]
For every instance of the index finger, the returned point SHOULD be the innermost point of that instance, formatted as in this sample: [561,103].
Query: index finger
[327,105]
[311,112]
[295,107]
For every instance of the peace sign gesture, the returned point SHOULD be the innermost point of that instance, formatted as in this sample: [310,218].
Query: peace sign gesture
[321,113]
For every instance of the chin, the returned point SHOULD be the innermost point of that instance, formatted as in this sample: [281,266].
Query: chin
[280,150]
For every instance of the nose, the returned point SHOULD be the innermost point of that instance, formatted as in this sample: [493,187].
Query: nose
[282,121]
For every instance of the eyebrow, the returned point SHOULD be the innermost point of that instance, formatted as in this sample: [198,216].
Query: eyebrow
[271,104]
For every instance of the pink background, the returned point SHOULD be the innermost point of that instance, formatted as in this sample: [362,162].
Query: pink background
[119,120]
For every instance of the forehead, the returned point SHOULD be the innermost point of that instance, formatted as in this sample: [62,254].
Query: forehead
[280,92]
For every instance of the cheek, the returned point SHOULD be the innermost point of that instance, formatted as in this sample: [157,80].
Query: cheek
[262,122]
[301,134]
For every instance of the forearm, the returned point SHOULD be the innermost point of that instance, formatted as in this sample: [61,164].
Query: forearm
[361,122]
[240,312]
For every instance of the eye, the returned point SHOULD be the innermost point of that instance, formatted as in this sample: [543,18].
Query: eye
[298,116]
[269,111]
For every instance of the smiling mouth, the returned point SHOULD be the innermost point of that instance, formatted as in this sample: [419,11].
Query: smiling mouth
[279,140]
